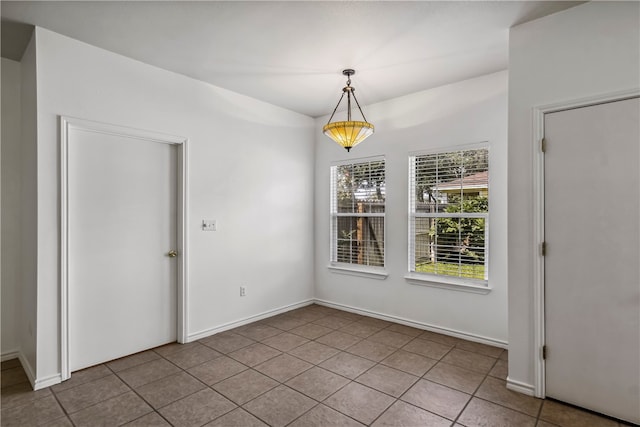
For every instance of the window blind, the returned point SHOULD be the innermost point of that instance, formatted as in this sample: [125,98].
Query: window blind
[448,213]
[357,213]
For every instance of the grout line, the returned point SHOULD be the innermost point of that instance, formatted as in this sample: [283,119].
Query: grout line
[64,410]
[133,390]
[303,414]
[99,402]
[462,410]
[324,314]
[194,377]
[426,410]
[349,381]
[539,412]
[153,409]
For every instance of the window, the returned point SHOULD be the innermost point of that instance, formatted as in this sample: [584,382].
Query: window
[357,213]
[449,214]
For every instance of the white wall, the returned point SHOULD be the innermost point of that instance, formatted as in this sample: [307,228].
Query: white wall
[28,296]
[462,113]
[251,169]
[11,200]
[587,50]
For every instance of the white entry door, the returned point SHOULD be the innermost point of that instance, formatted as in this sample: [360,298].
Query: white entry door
[592,262]
[121,227]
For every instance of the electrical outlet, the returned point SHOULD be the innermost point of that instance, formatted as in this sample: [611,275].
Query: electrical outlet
[243,291]
[209,225]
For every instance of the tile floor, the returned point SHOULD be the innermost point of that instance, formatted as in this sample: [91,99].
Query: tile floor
[313,366]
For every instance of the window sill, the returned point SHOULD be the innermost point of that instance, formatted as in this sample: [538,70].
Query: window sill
[447,283]
[369,272]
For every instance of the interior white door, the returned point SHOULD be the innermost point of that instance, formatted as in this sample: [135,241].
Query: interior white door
[592,273]
[122,224]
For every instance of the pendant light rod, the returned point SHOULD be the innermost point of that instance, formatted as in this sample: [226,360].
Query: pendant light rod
[335,109]
[358,104]
[348,101]
[350,133]
[349,90]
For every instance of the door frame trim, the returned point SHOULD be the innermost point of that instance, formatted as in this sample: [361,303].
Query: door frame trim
[67,123]
[538,114]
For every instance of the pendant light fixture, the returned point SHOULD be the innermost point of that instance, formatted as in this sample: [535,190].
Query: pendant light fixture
[350,133]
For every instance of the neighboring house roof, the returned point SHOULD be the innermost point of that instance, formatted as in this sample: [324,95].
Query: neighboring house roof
[477,180]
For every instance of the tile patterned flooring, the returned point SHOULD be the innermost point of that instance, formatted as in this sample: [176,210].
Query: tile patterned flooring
[314,366]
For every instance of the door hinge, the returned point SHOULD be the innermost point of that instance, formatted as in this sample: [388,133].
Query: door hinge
[544,352]
[543,248]
[543,145]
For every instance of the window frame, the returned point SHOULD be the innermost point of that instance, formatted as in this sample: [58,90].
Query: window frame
[375,272]
[441,280]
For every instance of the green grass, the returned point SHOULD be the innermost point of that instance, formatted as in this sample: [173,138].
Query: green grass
[467,271]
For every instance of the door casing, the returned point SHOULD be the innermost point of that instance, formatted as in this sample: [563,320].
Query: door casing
[538,224]
[181,143]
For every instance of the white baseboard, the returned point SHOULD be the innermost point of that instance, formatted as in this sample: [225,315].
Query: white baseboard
[47,381]
[28,369]
[230,325]
[520,387]
[414,324]
[39,383]
[26,366]
[9,355]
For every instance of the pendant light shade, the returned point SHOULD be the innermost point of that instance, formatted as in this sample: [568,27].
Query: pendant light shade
[349,133]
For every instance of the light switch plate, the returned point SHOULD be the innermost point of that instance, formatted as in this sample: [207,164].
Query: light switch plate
[208,225]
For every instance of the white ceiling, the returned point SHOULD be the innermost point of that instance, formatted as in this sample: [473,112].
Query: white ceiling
[290,53]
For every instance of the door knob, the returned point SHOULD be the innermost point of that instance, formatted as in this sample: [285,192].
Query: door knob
[172,254]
